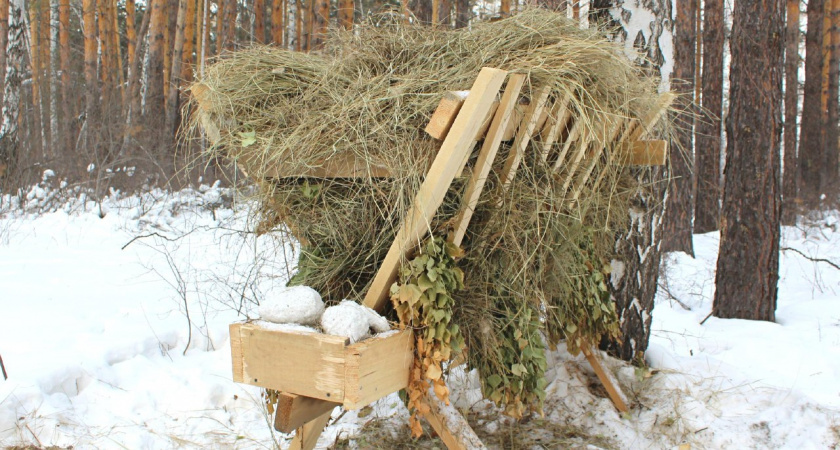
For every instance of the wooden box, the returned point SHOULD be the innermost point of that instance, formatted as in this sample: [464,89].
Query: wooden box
[322,366]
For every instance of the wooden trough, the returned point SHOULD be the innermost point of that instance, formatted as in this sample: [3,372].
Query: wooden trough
[316,373]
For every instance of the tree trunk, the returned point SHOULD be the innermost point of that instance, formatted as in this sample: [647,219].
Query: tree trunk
[445,13]
[321,20]
[422,10]
[187,59]
[172,102]
[66,130]
[791,162]
[4,40]
[37,77]
[15,50]
[633,289]
[708,136]
[230,25]
[748,262]
[463,13]
[810,143]
[91,87]
[346,8]
[154,103]
[504,7]
[220,20]
[829,167]
[134,65]
[259,21]
[278,26]
[679,206]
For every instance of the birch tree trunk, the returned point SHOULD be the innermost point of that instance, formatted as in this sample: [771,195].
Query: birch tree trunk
[15,51]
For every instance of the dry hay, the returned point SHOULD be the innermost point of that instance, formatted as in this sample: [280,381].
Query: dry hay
[535,267]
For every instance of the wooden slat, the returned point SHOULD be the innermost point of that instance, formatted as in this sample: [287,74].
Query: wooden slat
[262,358]
[451,426]
[574,135]
[487,155]
[599,146]
[513,125]
[306,436]
[555,125]
[376,367]
[457,143]
[293,411]
[444,115]
[577,157]
[482,131]
[523,136]
[613,390]
[642,153]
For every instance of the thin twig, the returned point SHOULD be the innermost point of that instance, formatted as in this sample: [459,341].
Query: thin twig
[3,368]
[813,259]
[674,297]
[706,318]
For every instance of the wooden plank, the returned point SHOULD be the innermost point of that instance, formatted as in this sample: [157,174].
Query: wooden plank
[486,156]
[482,131]
[574,135]
[457,143]
[451,426]
[613,390]
[642,153]
[555,125]
[577,157]
[293,411]
[377,367]
[445,113]
[624,124]
[306,436]
[599,146]
[262,358]
[513,125]
[523,136]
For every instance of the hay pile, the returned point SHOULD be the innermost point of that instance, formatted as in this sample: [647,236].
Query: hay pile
[535,267]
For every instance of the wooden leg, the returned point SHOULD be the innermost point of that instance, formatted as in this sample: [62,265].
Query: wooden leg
[307,436]
[610,383]
[451,426]
[293,411]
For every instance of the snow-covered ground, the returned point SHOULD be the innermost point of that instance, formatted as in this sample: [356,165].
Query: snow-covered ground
[95,301]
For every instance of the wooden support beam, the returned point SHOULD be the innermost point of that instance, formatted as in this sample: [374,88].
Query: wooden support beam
[482,132]
[451,426]
[307,436]
[642,153]
[523,136]
[613,390]
[293,411]
[486,156]
[445,114]
[513,125]
[605,136]
[577,156]
[574,135]
[458,142]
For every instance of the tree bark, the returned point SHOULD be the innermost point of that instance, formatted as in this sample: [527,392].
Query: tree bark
[679,206]
[172,101]
[748,262]
[829,167]
[4,40]
[187,58]
[708,135]
[638,249]
[321,21]
[463,13]
[37,77]
[259,21]
[91,87]
[346,8]
[220,20]
[810,143]
[15,50]
[154,102]
[278,25]
[791,163]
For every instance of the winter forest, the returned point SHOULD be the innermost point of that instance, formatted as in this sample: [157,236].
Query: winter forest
[168,166]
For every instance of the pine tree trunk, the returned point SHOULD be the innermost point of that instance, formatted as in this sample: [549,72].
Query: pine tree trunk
[91,54]
[278,26]
[67,130]
[230,24]
[259,21]
[504,7]
[445,13]
[708,136]
[810,143]
[463,13]
[220,20]
[679,205]
[346,8]
[828,174]
[37,77]
[187,59]
[172,101]
[321,20]
[748,261]
[134,94]
[791,162]
[154,102]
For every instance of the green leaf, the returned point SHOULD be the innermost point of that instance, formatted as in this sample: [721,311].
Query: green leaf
[249,138]
[518,370]
[424,283]
[494,381]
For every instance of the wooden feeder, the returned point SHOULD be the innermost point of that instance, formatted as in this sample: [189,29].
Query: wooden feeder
[316,373]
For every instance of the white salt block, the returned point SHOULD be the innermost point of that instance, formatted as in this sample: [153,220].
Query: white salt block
[294,304]
[378,323]
[347,319]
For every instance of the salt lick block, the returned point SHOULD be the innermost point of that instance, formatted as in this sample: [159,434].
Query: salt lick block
[346,319]
[293,304]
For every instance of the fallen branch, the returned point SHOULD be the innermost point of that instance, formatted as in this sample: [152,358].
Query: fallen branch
[813,259]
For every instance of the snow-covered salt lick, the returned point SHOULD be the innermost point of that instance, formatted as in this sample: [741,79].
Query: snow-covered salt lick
[293,304]
[352,320]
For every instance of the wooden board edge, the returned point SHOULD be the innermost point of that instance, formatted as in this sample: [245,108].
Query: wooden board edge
[236,354]
[293,411]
